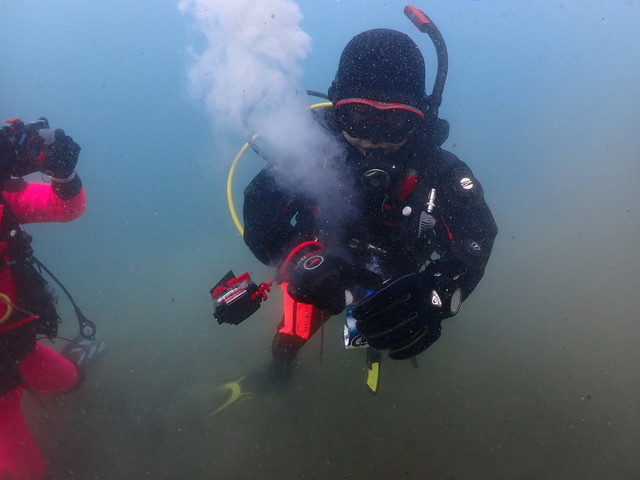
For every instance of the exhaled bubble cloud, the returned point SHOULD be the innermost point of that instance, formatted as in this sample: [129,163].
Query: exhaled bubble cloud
[250,60]
[248,72]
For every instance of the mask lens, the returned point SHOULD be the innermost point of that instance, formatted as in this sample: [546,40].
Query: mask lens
[378,122]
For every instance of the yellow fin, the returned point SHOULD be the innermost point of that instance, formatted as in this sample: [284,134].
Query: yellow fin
[236,394]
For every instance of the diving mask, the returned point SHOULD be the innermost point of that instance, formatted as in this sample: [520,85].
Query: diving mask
[378,122]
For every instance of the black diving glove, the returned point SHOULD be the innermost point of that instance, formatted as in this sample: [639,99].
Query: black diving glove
[404,316]
[61,154]
[319,278]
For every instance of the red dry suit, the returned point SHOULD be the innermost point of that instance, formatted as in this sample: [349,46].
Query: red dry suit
[24,363]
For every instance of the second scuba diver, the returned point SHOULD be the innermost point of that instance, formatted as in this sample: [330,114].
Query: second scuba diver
[27,305]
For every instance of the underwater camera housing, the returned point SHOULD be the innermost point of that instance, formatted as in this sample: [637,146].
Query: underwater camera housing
[26,142]
[236,298]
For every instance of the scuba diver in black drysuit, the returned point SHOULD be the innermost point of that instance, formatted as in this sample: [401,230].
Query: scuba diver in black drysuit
[412,234]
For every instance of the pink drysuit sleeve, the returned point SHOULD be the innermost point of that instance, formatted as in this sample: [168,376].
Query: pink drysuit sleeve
[38,203]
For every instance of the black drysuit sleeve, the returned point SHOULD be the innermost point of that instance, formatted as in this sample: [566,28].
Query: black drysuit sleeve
[268,212]
[465,227]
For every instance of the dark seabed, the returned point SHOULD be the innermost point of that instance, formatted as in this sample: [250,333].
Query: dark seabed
[537,377]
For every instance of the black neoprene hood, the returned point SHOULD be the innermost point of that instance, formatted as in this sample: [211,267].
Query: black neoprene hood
[381,64]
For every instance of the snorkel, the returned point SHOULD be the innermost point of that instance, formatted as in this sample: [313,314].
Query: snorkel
[426,25]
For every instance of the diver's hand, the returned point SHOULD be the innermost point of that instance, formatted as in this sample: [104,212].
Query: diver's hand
[404,316]
[320,278]
[61,154]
